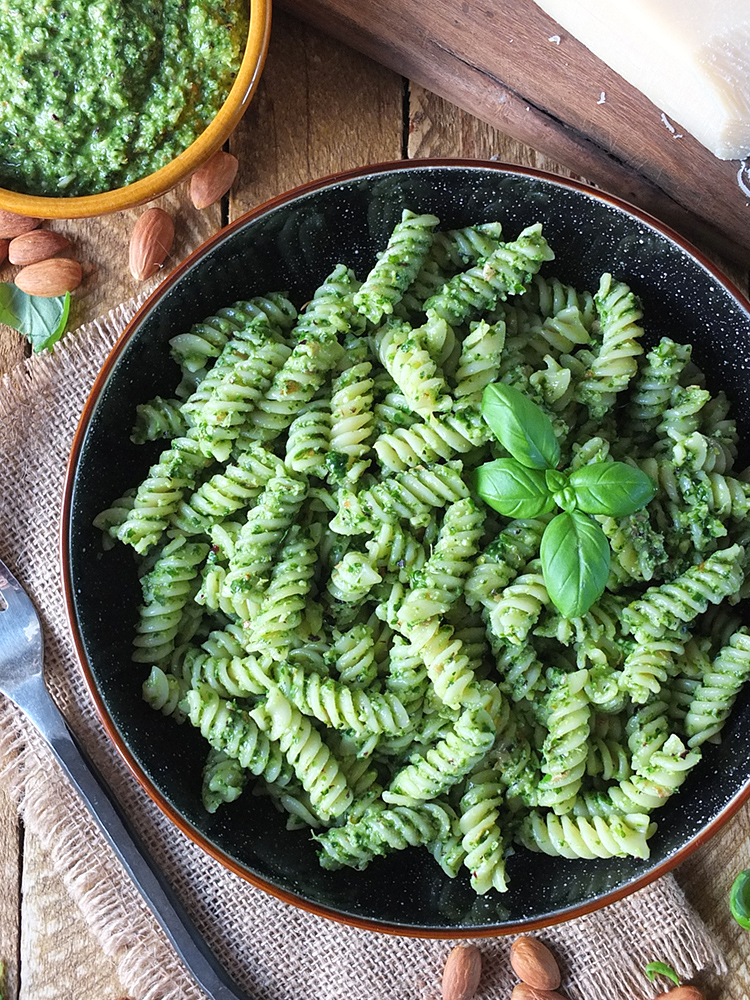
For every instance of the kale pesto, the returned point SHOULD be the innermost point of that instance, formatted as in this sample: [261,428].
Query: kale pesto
[96,95]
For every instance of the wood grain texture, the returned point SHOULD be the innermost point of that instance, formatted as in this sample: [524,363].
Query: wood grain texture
[495,60]
[11,864]
[59,954]
[320,108]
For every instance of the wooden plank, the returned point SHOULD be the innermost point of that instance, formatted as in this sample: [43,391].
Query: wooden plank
[10,893]
[495,60]
[320,108]
[59,955]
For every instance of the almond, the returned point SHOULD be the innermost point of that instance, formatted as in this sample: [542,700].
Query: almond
[50,277]
[682,993]
[14,225]
[3,251]
[39,244]
[213,179]
[522,991]
[534,963]
[153,235]
[463,969]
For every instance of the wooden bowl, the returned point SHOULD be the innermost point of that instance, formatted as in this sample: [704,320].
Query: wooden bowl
[182,166]
[291,243]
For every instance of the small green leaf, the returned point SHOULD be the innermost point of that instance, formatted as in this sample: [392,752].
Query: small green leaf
[575,562]
[739,899]
[512,489]
[613,488]
[521,427]
[654,969]
[40,319]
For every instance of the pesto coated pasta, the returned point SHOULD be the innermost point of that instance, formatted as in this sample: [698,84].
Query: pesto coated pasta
[329,602]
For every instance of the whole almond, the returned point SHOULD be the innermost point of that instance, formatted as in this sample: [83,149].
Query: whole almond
[534,963]
[50,277]
[39,244]
[463,969]
[682,993]
[3,251]
[522,991]
[213,179]
[14,225]
[153,235]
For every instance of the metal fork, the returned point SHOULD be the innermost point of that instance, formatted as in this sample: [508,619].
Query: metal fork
[22,680]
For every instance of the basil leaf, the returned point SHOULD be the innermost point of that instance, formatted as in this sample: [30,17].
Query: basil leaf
[613,488]
[512,489]
[41,320]
[654,969]
[575,562]
[739,899]
[520,426]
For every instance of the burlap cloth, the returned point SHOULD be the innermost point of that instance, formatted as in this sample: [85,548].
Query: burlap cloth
[273,950]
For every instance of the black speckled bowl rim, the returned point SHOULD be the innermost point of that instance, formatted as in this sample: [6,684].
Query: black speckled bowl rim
[440,908]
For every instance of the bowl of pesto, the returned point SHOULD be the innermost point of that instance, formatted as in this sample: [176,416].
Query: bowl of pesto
[107,105]
[328,657]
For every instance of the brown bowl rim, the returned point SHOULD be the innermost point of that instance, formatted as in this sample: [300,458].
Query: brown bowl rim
[165,178]
[559,916]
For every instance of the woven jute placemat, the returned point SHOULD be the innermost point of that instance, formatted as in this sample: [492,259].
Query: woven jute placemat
[275,951]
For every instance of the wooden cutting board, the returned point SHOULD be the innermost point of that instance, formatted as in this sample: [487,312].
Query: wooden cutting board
[508,63]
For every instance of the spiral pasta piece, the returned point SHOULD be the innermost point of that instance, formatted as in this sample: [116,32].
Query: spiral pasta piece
[397,266]
[235,395]
[652,389]
[227,492]
[405,355]
[647,667]
[312,761]
[441,436]
[410,495]
[163,692]
[438,585]
[506,271]
[160,493]
[648,788]
[667,608]
[167,589]
[479,362]
[206,340]
[265,527]
[519,606]
[718,689]
[274,628]
[500,563]
[448,666]
[353,655]
[613,365]
[158,418]
[223,780]
[483,840]
[581,837]
[381,829]
[231,730]
[446,762]
[352,422]
[332,311]
[565,750]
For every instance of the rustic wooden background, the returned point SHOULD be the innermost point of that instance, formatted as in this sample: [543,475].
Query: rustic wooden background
[335,111]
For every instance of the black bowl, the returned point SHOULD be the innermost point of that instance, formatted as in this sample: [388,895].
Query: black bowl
[292,242]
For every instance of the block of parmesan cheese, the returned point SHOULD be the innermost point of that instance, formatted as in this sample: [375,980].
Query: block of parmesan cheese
[691,58]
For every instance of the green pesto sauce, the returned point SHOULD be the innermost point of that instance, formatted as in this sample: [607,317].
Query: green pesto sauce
[95,95]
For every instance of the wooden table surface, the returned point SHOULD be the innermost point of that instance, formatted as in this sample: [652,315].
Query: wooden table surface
[334,111]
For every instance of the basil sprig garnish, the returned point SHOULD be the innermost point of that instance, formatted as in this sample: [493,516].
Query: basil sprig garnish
[574,552]
[654,969]
[739,899]
[41,320]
